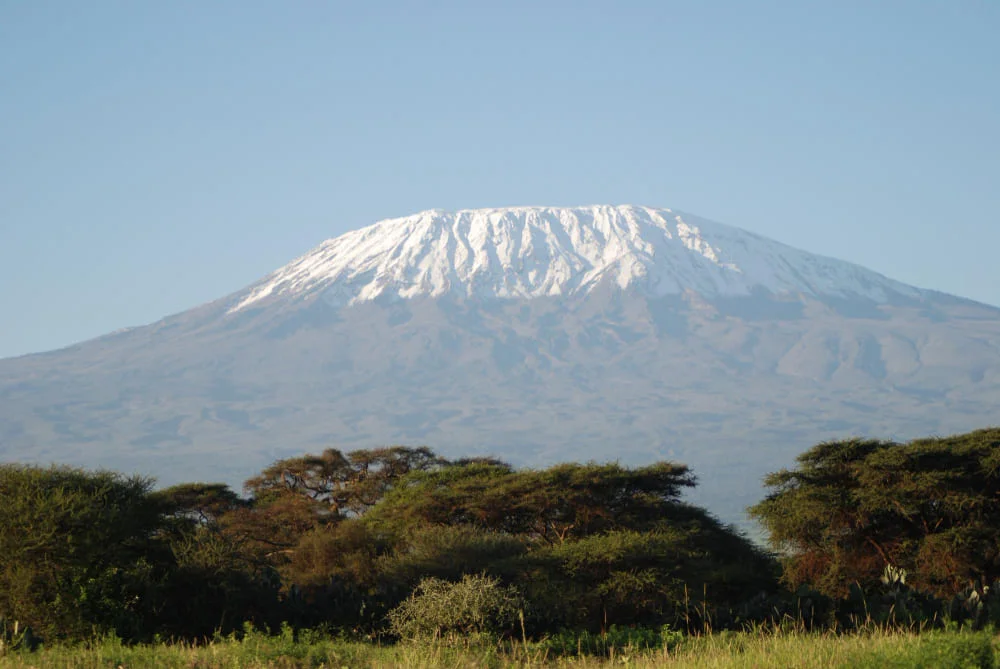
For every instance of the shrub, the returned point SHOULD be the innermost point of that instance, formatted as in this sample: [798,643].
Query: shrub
[477,604]
[76,551]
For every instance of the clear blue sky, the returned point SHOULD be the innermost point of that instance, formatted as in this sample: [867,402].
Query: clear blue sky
[158,155]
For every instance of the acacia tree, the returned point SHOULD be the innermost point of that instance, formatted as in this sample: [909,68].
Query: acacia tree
[815,521]
[930,507]
[943,498]
[298,496]
[220,580]
[550,505]
[191,505]
[337,485]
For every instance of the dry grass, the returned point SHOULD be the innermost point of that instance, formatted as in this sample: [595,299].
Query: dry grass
[759,649]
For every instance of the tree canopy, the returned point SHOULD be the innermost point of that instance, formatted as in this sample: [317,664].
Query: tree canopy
[852,509]
[344,539]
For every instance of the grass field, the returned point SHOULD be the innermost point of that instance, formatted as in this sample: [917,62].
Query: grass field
[874,650]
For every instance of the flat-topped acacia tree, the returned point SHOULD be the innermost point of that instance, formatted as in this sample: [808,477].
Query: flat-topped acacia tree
[929,507]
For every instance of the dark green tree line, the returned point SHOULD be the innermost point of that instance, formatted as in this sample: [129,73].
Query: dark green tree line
[341,540]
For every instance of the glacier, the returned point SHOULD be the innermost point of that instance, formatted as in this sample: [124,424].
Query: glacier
[531,252]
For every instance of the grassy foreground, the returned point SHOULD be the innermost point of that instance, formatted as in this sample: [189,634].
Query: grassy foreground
[875,650]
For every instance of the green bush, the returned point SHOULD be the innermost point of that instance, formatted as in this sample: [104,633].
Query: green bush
[77,551]
[694,576]
[936,650]
[477,604]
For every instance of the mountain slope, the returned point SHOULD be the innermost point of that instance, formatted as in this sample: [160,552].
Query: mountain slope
[602,333]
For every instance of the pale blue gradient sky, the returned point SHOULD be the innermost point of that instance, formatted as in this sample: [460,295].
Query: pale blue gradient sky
[157,155]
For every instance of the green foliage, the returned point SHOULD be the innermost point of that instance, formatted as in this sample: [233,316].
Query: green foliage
[193,504]
[938,651]
[598,555]
[694,576]
[333,578]
[339,485]
[449,552]
[814,517]
[217,581]
[475,605]
[584,643]
[343,540]
[213,589]
[928,509]
[78,550]
[590,545]
[550,505]
[298,496]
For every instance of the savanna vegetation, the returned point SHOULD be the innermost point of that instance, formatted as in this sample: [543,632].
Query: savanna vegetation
[397,555]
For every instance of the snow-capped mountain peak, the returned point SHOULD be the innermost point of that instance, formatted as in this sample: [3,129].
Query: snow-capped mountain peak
[529,252]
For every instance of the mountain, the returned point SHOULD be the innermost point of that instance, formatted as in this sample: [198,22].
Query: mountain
[534,334]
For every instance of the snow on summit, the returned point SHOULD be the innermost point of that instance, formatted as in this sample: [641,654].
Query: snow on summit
[526,252]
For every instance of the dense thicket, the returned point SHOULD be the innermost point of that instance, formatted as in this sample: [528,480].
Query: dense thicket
[343,540]
[399,540]
[590,545]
